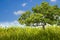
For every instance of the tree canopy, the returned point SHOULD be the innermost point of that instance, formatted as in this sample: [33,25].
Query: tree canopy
[43,13]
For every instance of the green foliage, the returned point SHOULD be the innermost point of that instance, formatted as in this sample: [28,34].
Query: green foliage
[44,13]
[34,18]
[23,17]
[28,33]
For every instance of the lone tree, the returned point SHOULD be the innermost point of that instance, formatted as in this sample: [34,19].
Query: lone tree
[43,13]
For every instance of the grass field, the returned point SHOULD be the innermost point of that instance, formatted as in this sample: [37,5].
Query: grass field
[29,33]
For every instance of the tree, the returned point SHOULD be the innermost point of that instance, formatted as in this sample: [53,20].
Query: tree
[49,12]
[34,18]
[23,17]
[43,14]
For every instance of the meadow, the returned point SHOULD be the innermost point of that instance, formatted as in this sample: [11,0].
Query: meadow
[30,33]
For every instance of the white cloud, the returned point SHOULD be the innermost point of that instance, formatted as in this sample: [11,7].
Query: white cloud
[7,24]
[19,12]
[24,4]
[53,0]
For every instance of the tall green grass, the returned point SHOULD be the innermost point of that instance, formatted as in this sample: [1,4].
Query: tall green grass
[28,33]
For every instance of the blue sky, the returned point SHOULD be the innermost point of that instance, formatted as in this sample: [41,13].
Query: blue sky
[10,10]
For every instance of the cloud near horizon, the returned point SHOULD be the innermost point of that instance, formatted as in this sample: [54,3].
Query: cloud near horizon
[13,23]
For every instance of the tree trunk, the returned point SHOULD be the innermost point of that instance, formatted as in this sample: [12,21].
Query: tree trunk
[37,24]
[43,27]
